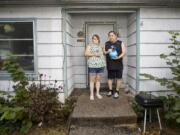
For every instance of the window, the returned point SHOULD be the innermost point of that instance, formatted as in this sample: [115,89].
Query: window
[16,37]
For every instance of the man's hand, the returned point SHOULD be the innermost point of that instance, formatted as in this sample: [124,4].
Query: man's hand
[122,54]
[106,52]
[109,50]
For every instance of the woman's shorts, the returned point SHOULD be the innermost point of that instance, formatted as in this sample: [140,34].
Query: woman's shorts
[94,71]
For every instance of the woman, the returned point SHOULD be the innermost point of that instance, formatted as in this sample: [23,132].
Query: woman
[96,63]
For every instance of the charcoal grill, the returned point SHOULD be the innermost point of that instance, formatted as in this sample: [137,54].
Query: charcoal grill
[148,101]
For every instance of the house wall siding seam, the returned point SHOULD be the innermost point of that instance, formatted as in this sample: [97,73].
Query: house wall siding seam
[69,46]
[131,52]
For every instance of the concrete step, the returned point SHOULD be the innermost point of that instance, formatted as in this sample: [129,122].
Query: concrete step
[103,131]
[107,111]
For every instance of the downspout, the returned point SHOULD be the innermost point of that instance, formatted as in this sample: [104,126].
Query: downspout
[137,50]
[63,26]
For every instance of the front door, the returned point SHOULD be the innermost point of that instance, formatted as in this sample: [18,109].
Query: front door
[102,30]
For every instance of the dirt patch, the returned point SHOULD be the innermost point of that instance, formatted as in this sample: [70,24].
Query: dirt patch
[153,129]
[48,131]
[45,131]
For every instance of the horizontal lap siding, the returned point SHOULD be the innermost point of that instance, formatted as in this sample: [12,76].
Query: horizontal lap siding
[29,12]
[49,37]
[53,50]
[155,24]
[131,52]
[49,43]
[48,47]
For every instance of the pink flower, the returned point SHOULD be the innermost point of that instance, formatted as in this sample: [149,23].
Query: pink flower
[61,87]
[14,86]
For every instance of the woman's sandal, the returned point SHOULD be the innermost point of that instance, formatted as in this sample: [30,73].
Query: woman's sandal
[91,97]
[99,96]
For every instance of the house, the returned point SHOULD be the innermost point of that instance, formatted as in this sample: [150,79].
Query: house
[50,37]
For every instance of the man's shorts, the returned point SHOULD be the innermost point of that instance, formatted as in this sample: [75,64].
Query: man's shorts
[115,74]
[94,71]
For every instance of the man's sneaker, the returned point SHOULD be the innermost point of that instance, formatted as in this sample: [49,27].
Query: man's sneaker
[109,93]
[116,94]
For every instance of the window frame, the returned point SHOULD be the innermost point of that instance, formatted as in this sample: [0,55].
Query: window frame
[3,74]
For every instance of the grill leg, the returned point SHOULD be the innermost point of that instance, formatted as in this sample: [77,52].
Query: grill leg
[159,119]
[144,131]
[150,115]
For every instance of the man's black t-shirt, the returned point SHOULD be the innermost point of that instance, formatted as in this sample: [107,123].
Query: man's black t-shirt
[114,64]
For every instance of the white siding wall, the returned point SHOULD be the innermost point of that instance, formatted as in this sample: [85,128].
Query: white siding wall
[131,52]
[69,45]
[48,38]
[154,40]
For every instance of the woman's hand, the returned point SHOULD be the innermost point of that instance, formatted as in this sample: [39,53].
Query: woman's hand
[116,58]
[87,52]
[96,54]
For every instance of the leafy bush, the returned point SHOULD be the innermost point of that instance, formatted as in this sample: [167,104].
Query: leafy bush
[13,118]
[12,112]
[139,110]
[43,104]
[32,104]
[171,108]
[68,108]
[172,103]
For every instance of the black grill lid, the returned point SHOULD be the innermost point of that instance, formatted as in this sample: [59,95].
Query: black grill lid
[148,100]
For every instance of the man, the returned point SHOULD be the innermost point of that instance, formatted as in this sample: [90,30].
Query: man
[114,64]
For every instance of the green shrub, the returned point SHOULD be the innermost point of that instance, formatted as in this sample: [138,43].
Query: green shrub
[68,108]
[13,114]
[13,118]
[34,103]
[139,110]
[43,104]
[172,103]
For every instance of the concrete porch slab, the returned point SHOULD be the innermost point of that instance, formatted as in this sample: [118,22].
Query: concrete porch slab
[100,112]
